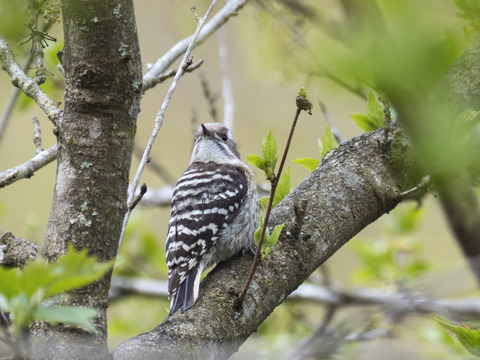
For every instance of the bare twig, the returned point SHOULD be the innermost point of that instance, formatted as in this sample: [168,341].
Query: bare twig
[27,169]
[302,104]
[425,182]
[37,137]
[230,9]
[211,98]
[171,73]
[143,190]
[12,99]
[160,116]
[28,85]
[227,93]
[161,197]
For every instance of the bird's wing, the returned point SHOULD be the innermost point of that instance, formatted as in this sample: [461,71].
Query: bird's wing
[206,199]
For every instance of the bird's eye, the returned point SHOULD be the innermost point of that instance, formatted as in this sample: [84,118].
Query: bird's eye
[224,137]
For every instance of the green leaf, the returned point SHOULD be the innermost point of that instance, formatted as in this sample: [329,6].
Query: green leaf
[73,315]
[257,161]
[327,142]
[269,150]
[275,235]
[466,335]
[264,202]
[71,271]
[283,188]
[308,163]
[10,283]
[374,116]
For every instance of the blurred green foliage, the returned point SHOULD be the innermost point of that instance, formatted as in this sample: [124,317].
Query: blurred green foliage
[32,293]
[396,257]
[142,253]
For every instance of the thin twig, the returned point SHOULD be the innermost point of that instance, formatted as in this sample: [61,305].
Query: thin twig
[227,93]
[12,99]
[230,9]
[27,169]
[211,98]
[256,261]
[143,190]
[422,186]
[28,85]
[171,73]
[37,136]
[159,118]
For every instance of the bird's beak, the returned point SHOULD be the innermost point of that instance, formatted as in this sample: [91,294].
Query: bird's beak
[206,132]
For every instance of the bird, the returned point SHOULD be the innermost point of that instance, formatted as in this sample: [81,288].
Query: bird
[214,213]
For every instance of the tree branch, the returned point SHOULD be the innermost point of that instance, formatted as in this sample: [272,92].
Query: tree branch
[28,168]
[28,85]
[230,9]
[353,186]
[336,295]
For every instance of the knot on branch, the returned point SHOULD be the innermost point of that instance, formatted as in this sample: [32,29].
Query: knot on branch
[299,208]
[16,252]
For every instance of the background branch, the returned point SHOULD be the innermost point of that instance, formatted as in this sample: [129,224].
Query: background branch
[28,168]
[227,93]
[28,85]
[333,295]
[230,9]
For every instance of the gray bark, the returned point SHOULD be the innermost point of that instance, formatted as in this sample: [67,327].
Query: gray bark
[353,186]
[95,143]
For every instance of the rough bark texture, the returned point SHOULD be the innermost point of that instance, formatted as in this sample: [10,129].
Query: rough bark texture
[353,186]
[95,142]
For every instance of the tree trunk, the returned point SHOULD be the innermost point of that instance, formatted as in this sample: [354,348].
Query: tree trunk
[102,66]
[353,186]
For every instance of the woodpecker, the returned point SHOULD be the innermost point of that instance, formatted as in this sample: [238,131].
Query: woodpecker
[214,213]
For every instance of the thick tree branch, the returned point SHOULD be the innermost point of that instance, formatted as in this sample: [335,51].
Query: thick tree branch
[354,185]
[28,85]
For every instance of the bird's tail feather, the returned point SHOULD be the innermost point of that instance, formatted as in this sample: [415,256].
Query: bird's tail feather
[187,292]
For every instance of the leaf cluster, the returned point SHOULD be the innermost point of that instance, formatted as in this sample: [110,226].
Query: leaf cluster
[267,163]
[32,293]
[268,160]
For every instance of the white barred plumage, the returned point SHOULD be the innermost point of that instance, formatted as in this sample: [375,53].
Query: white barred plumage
[214,213]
